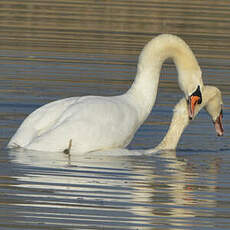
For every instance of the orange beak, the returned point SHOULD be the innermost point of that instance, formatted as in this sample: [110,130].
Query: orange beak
[193,100]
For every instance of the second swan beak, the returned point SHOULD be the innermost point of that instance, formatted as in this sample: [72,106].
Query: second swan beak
[219,125]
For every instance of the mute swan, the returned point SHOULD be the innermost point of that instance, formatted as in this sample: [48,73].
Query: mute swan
[93,123]
[212,102]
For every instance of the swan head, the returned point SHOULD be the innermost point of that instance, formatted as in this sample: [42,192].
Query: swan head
[211,101]
[214,107]
[194,99]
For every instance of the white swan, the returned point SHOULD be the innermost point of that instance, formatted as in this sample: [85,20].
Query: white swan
[212,102]
[92,123]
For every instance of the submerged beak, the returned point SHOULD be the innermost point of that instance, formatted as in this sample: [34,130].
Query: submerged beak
[219,125]
[193,100]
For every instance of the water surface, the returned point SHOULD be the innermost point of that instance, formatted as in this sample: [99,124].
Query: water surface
[58,49]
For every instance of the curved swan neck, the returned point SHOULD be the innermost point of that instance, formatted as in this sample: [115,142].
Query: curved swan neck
[179,122]
[180,119]
[149,66]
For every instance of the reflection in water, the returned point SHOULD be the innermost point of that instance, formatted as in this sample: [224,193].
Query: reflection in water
[173,190]
[166,189]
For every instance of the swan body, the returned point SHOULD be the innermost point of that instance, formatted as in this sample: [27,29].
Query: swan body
[55,128]
[93,123]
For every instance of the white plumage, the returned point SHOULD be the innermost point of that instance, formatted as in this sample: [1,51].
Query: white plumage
[96,123]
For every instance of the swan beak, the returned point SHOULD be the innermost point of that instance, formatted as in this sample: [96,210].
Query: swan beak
[219,125]
[192,102]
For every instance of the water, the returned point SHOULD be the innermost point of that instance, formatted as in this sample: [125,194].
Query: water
[57,49]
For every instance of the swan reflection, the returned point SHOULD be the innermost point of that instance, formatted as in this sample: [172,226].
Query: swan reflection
[169,187]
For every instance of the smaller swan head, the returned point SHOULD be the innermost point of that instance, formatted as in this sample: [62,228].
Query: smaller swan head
[194,99]
[214,107]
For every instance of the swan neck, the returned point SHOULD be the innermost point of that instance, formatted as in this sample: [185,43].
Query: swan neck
[153,56]
[144,88]
[180,121]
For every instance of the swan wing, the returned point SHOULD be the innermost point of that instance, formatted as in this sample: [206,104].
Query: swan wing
[39,121]
[92,123]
